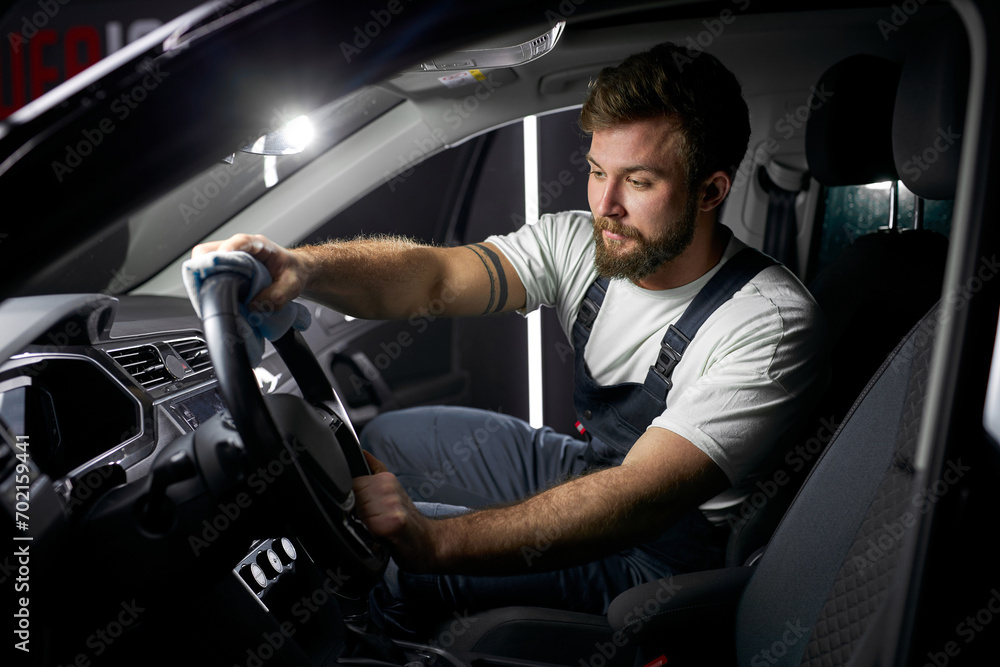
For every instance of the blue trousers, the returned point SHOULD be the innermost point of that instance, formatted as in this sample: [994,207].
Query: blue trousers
[453,459]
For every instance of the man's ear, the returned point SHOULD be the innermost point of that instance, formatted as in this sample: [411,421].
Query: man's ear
[714,190]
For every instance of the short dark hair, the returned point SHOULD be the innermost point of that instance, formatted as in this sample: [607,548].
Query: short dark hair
[692,86]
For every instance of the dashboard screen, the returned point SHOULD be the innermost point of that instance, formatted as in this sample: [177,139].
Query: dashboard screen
[70,409]
[197,409]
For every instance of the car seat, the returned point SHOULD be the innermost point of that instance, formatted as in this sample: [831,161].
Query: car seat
[871,293]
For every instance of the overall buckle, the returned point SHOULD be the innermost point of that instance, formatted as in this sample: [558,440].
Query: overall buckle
[668,357]
[588,313]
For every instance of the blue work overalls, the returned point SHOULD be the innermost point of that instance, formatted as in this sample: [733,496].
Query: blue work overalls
[450,459]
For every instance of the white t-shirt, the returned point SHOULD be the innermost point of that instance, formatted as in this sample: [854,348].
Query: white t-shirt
[742,378]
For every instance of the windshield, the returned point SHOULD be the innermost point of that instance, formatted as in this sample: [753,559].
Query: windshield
[147,240]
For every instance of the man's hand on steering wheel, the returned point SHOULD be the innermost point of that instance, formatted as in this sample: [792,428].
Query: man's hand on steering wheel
[290,271]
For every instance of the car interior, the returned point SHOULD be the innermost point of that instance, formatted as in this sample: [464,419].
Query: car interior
[179,504]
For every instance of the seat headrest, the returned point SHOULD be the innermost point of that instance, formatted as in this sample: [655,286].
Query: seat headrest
[848,134]
[930,110]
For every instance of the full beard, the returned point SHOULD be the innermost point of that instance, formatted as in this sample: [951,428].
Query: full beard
[648,255]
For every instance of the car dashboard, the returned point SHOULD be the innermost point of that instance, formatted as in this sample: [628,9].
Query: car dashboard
[93,389]
[106,385]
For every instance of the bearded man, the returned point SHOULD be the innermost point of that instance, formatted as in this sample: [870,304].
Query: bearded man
[669,419]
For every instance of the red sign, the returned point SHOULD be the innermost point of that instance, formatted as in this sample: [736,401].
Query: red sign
[45,42]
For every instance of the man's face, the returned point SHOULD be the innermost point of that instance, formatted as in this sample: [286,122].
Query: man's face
[643,214]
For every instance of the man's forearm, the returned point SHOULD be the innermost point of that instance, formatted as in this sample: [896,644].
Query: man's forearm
[585,518]
[663,476]
[372,278]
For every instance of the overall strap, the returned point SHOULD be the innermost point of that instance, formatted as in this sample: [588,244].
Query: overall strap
[730,279]
[589,308]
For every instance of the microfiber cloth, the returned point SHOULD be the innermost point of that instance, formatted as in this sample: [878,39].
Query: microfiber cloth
[264,324]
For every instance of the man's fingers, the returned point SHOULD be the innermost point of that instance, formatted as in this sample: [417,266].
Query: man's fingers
[272,297]
[255,245]
[383,506]
[286,272]
[202,248]
[259,246]
[235,242]
[373,463]
[390,514]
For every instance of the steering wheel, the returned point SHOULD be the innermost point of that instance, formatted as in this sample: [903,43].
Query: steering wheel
[307,446]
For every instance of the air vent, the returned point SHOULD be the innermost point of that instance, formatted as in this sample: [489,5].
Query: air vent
[144,364]
[194,351]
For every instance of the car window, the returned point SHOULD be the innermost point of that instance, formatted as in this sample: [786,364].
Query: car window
[850,211]
[145,241]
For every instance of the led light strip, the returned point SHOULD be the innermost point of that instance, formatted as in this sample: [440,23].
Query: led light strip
[535,409]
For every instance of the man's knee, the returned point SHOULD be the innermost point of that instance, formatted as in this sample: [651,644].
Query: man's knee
[382,430]
[389,429]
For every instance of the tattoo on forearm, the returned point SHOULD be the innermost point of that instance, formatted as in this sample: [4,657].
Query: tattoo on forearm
[498,280]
